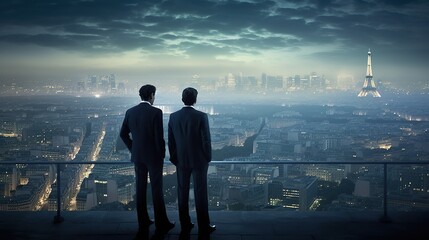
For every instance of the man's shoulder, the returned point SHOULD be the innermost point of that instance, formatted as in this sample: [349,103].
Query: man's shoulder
[155,109]
[135,108]
[200,113]
[188,110]
[132,109]
[195,111]
[176,113]
[144,107]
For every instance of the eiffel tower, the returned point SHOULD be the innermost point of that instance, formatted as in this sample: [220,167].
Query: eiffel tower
[369,84]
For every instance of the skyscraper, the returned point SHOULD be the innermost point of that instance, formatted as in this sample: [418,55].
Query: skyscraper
[231,82]
[112,82]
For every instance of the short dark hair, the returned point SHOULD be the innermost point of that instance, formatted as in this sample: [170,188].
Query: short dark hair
[146,91]
[189,96]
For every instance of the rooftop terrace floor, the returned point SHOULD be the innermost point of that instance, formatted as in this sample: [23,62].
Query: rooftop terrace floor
[231,225]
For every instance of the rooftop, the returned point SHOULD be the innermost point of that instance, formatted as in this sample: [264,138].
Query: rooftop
[231,225]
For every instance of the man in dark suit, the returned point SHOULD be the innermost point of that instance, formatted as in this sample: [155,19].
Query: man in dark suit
[147,147]
[189,144]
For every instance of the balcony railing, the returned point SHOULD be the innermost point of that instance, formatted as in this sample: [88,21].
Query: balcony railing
[384,218]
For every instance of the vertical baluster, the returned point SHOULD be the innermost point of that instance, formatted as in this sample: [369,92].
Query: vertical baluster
[58,218]
[385,218]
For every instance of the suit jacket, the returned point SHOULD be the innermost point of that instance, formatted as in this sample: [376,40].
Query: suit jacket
[147,144]
[189,139]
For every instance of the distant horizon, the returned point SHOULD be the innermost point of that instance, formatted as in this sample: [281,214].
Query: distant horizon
[159,79]
[184,80]
[175,40]
[333,98]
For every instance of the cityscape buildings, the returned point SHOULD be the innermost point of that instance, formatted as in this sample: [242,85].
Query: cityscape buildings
[85,129]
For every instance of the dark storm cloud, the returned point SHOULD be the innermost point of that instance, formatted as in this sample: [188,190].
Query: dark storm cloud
[75,25]
[210,26]
[378,28]
[55,13]
[401,2]
[70,42]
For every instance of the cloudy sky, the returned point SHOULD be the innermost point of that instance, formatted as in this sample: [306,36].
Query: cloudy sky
[171,40]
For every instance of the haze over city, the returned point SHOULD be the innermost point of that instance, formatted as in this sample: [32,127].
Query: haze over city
[156,41]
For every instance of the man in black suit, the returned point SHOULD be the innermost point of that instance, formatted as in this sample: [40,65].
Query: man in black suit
[190,149]
[147,147]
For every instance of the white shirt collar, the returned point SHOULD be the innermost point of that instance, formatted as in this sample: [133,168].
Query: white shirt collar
[192,106]
[143,101]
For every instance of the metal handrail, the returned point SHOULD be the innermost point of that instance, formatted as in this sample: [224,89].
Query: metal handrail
[234,162]
[385,218]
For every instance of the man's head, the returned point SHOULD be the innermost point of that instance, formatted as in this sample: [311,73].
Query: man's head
[189,96]
[147,93]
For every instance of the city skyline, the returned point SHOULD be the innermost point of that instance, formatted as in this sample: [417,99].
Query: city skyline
[175,40]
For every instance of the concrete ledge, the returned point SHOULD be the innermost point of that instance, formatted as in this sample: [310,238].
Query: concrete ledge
[230,225]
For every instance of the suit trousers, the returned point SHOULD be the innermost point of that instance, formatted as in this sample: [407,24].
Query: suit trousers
[155,174]
[200,192]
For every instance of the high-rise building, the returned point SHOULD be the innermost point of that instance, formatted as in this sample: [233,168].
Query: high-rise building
[274,83]
[81,86]
[345,81]
[305,82]
[263,81]
[231,82]
[92,83]
[297,81]
[112,82]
